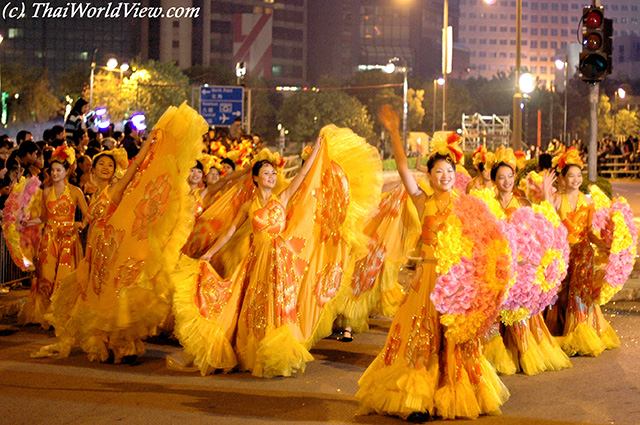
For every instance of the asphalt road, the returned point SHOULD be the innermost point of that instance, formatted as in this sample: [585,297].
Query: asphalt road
[602,390]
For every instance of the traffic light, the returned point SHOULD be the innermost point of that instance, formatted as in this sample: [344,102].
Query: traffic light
[595,59]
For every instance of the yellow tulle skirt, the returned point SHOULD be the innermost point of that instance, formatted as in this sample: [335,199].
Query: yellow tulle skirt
[419,370]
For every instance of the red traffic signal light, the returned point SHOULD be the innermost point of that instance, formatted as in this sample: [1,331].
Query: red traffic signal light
[595,59]
[593,19]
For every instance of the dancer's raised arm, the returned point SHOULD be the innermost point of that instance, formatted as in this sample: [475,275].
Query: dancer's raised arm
[391,122]
[297,180]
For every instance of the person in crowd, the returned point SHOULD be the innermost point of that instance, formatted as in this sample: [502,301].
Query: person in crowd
[23,135]
[131,140]
[58,136]
[76,121]
[235,130]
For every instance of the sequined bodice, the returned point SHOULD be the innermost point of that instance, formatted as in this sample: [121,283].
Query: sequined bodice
[269,220]
[432,221]
[101,208]
[60,210]
[576,222]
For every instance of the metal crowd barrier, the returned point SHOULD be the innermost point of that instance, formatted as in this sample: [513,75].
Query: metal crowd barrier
[10,273]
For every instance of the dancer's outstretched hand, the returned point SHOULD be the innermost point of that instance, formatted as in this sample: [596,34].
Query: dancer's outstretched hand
[389,118]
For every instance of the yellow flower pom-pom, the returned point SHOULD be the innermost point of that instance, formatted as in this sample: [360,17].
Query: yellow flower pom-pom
[489,198]
[621,235]
[545,208]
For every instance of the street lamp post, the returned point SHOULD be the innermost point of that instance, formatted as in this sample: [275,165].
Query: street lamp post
[517,96]
[390,68]
[620,93]
[564,65]
[446,60]
[436,83]
[405,106]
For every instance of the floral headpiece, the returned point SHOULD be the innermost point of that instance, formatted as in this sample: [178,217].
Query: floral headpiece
[62,154]
[521,160]
[273,157]
[120,157]
[570,157]
[209,161]
[446,143]
[479,155]
[506,156]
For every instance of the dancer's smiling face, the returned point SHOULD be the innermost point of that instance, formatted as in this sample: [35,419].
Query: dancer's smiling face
[573,177]
[505,178]
[442,175]
[104,168]
[266,177]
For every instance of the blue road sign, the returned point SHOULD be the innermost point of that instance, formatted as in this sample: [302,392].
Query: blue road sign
[220,105]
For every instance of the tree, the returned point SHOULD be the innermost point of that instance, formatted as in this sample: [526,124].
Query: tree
[305,113]
[215,75]
[415,99]
[35,101]
[151,89]
[73,83]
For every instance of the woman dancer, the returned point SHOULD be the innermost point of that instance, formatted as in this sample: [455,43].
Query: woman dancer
[119,294]
[60,247]
[529,345]
[282,298]
[483,161]
[419,372]
[576,316]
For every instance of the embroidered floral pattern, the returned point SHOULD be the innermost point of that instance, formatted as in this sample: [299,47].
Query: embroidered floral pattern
[153,204]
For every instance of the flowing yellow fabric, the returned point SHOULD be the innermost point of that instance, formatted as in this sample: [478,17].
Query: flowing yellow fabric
[393,230]
[120,293]
[283,295]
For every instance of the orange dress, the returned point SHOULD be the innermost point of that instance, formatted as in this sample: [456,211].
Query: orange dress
[419,370]
[120,294]
[393,230]
[60,252]
[576,316]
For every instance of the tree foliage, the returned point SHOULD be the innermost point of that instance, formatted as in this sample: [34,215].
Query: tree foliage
[305,113]
[35,100]
[151,88]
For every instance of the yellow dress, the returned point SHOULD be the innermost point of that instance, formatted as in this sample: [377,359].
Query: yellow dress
[265,314]
[526,345]
[419,370]
[576,316]
[120,293]
[60,252]
[393,230]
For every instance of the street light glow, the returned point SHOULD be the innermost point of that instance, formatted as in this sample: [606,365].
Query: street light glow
[527,83]
[489,2]
[621,93]
[112,64]
[389,68]
[559,64]
[124,67]
[440,81]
